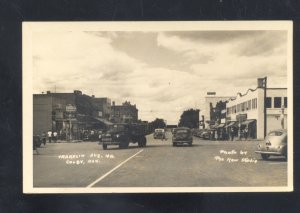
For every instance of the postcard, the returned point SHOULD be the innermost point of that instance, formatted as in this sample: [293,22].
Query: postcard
[156,107]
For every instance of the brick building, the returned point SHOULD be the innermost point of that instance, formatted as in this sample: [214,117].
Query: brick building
[125,113]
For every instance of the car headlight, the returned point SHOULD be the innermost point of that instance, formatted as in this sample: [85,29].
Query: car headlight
[117,135]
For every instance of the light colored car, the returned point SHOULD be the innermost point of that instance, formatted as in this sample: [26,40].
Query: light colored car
[275,143]
[159,134]
[182,135]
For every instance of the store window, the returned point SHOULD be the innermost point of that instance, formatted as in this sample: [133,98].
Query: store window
[277,102]
[268,102]
[285,102]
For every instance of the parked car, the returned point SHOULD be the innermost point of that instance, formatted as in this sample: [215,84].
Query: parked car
[182,135]
[275,143]
[159,134]
[197,132]
[205,134]
[37,140]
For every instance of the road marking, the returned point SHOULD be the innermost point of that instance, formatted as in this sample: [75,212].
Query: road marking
[105,175]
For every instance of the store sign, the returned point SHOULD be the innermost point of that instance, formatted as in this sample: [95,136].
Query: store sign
[211,93]
[70,108]
[241,117]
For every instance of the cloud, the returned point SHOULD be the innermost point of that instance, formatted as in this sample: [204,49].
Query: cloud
[214,36]
[190,50]
[163,73]
[265,43]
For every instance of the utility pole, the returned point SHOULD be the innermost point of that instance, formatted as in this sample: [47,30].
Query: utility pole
[282,117]
[265,109]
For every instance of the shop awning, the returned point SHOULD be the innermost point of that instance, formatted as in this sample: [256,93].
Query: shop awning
[106,122]
[247,122]
[232,123]
[220,126]
[214,126]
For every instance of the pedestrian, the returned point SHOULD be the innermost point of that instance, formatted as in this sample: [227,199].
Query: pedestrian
[49,133]
[232,133]
[44,138]
[35,146]
[246,133]
[55,136]
[216,135]
[211,135]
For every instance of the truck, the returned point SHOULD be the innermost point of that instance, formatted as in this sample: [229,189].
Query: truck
[121,134]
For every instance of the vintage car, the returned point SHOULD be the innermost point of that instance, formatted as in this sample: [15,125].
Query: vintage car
[159,134]
[182,135]
[275,143]
[205,134]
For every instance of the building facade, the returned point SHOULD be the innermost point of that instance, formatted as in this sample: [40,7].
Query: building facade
[125,113]
[69,114]
[252,108]
[210,103]
[103,107]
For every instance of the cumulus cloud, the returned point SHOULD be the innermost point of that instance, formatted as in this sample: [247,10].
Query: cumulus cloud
[163,73]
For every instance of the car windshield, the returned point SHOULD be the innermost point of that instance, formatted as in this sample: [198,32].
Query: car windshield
[181,131]
[275,133]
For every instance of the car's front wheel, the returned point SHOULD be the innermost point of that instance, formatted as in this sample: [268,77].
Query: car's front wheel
[265,156]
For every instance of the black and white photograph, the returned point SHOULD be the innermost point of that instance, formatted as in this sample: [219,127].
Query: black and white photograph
[135,107]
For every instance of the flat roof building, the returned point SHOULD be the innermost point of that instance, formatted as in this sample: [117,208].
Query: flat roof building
[259,110]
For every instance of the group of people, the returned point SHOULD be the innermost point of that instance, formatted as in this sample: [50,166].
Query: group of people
[229,133]
[52,136]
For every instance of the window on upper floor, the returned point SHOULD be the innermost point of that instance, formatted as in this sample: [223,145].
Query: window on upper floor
[285,102]
[268,103]
[277,102]
[249,105]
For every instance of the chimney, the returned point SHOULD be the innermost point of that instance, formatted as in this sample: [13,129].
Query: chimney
[113,103]
[48,92]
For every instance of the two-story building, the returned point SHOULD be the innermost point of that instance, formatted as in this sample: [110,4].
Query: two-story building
[261,110]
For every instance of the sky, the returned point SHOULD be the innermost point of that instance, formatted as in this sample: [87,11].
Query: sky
[163,72]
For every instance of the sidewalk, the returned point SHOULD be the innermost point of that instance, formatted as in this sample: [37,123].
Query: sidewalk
[66,141]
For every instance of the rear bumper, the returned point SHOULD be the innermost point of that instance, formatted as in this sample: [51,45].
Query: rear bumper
[269,153]
[183,141]
[109,142]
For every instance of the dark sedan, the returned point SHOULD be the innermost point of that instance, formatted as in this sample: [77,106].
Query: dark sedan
[182,135]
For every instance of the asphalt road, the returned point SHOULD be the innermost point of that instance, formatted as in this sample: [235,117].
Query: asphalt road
[85,164]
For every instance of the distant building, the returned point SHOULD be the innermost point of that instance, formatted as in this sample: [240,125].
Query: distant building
[248,110]
[103,107]
[210,103]
[125,113]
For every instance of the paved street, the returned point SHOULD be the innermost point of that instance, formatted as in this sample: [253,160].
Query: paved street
[85,164]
